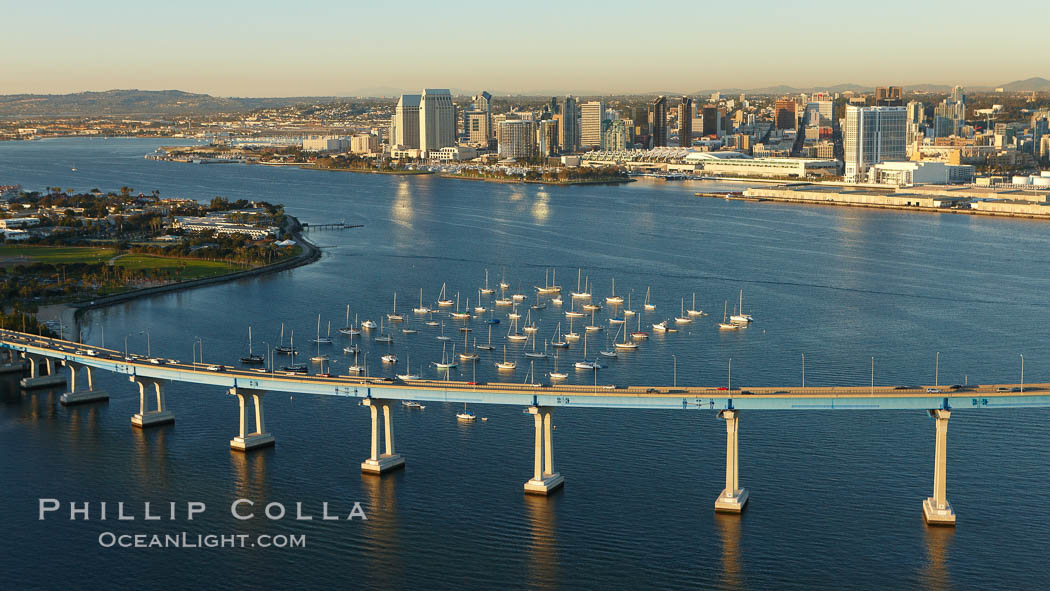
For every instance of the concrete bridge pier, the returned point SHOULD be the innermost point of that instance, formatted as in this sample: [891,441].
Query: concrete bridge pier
[378,463]
[733,498]
[544,479]
[936,509]
[13,363]
[37,378]
[150,418]
[81,396]
[258,438]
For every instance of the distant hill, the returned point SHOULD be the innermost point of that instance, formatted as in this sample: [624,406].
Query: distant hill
[1035,83]
[140,103]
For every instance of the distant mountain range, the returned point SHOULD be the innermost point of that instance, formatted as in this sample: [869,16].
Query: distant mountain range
[169,103]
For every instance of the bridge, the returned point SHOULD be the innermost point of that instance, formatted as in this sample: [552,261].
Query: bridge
[44,355]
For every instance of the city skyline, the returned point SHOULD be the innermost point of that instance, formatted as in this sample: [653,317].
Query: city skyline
[239,50]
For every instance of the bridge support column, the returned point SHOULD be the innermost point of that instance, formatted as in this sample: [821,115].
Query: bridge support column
[378,463]
[81,396]
[145,418]
[14,363]
[37,379]
[936,509]
[544,479]
[259,438]
[733,498]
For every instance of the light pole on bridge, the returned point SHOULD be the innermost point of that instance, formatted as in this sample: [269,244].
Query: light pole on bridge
[674,372]
[1022,372]
[730,388]
[937,370]
[803,370]
[149,352]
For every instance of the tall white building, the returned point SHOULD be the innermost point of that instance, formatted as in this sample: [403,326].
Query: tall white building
[591,115]
[873,135]
[437,120]
[404,128]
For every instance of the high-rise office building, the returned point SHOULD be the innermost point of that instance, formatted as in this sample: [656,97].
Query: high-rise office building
[888,96]
[568,125]
[685,122]
[873,135]
[658,121]
[547,137]
[953,110]
[517,139]
[437,120]
[482,103]
[710,116]
[405,127]
[479,128]
[616,136]
[641,135]
[591,116]
[784,114]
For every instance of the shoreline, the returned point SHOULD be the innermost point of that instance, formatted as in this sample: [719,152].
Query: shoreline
[365,171]
[74,311]
[537,182]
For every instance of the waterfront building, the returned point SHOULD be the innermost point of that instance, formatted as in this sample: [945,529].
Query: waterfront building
[405,124]
[327,143]
[568,125]
[902,174]
[516,138]
[658,121]
[364,143]
[437,120]
[872,135]
[479,128]
[685,122]
[547,137]
[591,116]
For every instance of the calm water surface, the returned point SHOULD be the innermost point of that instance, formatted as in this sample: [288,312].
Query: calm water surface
[835,495]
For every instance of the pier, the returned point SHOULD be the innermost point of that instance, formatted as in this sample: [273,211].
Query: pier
[332,226]
[378,394]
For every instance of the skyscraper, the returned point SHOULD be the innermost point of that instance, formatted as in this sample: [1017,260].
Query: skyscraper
[658,121]
[873,135]
[568,125]
[405,126]
[547,137]
[784,114]
[437,120]
[888,96]
[710,115]
[953,110]
[479,128]
[517,139]
[685,122]
[482,103]
[616,135]
[591,115]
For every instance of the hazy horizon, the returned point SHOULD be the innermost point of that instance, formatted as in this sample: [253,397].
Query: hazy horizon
[259,49]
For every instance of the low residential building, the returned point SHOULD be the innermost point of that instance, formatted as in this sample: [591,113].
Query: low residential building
[364,143]
[11,223]
[325,144]
[906,173]
[455,153]
[221,226]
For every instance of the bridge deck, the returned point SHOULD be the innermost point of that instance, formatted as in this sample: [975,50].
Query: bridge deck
[659,397]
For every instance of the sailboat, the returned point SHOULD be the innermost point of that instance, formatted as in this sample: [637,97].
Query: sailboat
[487,290]
[557,375]
[740,317]
[488,346]
[607,352]
[556,340]
[323,340]
[584,364]
[572,313]
[613,299]
[445,362]
[282,349]
[580,294]
[534,354]
[591,306]
[355,368]
[571,336]
[530,379]
[503,300]
[351,349]
[394,316]
[513,315]
[479,309]
[725,325]
[682,318]
[549,288]
[319,357]
[252,359]
[625,344]
[648,307]
[639,335]
[442,337]
[628,312]
[592,327]
[457,315]
[466,415]
[467,355]
[430,319]
[506,365]
[297,368]
[349,328]
[694,311]
[556,300]
[383,337]
[513,334]
[503,281]
[408,375]
[421,309]
[443,301]
[530,326]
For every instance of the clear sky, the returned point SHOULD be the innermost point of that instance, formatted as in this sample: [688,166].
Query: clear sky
[297,48]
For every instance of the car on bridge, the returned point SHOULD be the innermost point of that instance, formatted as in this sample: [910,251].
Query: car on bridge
[934,391]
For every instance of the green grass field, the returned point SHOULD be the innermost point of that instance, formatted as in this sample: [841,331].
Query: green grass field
[191,268]
[56,255]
